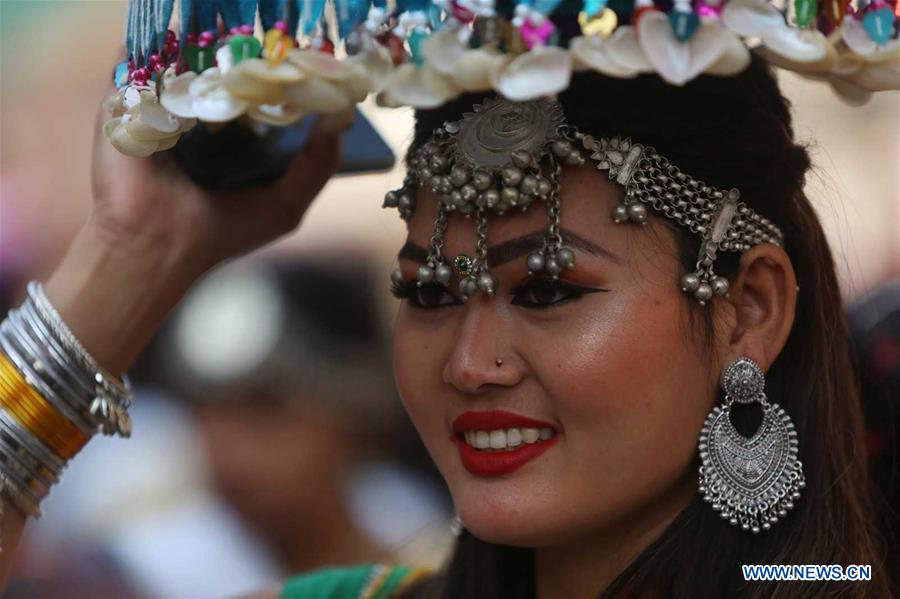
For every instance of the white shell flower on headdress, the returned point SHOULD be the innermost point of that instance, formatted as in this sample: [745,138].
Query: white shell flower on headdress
[140,126]
[202,96]
[733,59]
[543,71]
[853,76]
[330,85]
[592,52]
[680,61]
[374,65]
[469,69]
[419,87]
[623,48]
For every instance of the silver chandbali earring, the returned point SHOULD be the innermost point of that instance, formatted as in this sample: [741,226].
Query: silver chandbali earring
[751,482]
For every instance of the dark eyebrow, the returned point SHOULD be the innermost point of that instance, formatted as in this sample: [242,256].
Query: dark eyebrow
[520,246]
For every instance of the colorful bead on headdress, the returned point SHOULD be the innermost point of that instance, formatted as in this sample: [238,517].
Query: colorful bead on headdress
[423,53]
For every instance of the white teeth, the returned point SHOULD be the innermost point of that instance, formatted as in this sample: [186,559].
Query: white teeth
[506,438]
[513,437]
[530,435]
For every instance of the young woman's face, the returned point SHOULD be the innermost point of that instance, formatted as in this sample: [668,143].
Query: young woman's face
[604,359]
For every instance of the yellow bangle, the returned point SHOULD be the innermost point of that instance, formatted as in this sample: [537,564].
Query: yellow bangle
[37,414]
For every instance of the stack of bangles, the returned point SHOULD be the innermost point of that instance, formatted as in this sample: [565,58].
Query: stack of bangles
[53,398]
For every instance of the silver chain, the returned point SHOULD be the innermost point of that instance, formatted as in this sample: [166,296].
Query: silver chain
[437,237]
[481,262]
[554,239]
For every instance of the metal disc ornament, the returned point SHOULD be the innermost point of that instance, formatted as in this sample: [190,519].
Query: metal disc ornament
[751,482]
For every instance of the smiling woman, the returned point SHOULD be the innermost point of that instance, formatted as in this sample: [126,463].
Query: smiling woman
[633,383]
[564,408]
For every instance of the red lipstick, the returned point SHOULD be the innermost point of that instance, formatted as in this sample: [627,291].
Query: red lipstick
[491,463]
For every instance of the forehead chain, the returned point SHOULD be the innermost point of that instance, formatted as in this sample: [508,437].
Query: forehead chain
[508,155]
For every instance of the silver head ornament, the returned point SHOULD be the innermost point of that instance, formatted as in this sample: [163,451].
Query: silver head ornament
[505,155]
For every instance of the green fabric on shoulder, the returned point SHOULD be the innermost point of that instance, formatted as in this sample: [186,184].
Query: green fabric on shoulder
[368,581]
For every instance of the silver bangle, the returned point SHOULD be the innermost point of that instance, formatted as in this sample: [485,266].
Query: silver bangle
[13,451]
[45,339]
[49,367]
[112,396]
[31,443]
[15,348]
[48,313]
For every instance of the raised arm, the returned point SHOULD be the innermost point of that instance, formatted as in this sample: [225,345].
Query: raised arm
[150,235]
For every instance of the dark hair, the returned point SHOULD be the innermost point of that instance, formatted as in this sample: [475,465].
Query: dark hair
[730,132]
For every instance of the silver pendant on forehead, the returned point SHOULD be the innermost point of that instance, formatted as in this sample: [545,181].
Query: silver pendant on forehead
[489,136]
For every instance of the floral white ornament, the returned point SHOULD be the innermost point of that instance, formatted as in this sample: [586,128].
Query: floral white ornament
[679,61]
[202,96]
[543,71]
[853,76]
[419,87]
[592,52]
[140,125]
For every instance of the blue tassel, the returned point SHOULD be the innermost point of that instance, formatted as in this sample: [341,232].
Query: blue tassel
[163,25]
[238,12]
[271,11]
[309,13]
[546,7]
[413,5]
[350,14]
[206,13]
[184,20]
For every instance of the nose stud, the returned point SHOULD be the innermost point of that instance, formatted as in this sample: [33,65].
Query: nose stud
[499,361]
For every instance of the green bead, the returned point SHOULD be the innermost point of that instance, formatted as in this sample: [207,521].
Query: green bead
[199,59]
[463,264]
[805,11]
[244,47]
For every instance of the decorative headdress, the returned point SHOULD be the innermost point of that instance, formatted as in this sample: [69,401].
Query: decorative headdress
[507,155]
[422,53]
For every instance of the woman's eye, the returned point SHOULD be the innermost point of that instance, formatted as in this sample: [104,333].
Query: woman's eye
[544,293]
[429,296]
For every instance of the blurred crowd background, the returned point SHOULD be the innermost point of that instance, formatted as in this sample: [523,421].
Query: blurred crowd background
[276,444]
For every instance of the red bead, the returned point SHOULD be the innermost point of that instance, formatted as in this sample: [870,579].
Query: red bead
[636,15]
[282,27]
[192,38]
[395,46]
[460,13]
[326,45]
[170,36]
